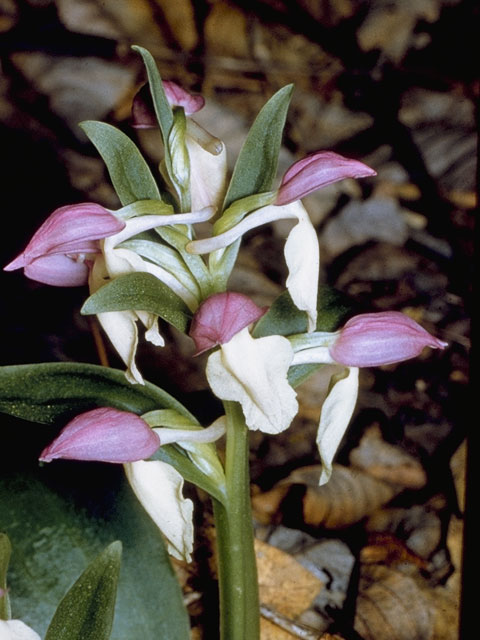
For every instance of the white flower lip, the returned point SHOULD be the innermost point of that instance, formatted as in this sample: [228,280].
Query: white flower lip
[158,487]
[253,372]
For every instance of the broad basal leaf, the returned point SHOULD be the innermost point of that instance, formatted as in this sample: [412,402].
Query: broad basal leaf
[257,162]
[86,611]
[130,174]
[59,517]
[143,292]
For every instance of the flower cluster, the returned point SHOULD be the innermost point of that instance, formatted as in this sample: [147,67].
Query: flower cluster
[154,234]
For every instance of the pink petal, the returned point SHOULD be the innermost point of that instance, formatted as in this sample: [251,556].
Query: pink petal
[58,271]
[220,317]
[179,97]
[104,435]
[143,112]
[72,229]
[373,339]
[316,171]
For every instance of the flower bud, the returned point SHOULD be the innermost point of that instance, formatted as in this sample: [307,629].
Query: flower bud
[373,339]
[104,435]
[220,317]
[318,170]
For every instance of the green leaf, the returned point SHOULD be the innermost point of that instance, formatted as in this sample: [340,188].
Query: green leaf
[52,393]
[257,162]
[162,107]
[86,611]
[60,517]
[130,174]
[167,258]
[284,319]
[143,292]
[5,552]
[182,463]
[55,391]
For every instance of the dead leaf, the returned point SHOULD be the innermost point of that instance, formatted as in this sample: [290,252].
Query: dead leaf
[285,587]
[386,461]
[390,606]
[349,496]
[386,548]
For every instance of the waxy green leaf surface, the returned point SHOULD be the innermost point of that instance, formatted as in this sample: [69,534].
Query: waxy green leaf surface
[256,165]
[130,174]
[86,611]
[143,292]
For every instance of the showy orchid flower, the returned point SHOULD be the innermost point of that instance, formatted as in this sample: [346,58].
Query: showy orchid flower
[115,261]
[79,244]
[57,252]
[250,371]
[207,154]
[370,339]
[111,435]
[301,248]
[367,340]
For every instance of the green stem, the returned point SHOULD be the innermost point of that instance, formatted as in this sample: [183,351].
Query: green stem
[238,583]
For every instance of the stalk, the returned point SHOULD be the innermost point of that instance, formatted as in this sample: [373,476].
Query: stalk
[237,569]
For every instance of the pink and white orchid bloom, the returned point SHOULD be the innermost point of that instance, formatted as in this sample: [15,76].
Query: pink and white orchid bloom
[207,154]
[366,340]
[301,248]
[115,261]
[58,251]
[250,371]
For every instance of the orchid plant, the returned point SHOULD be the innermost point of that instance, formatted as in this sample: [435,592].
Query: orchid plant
[146,262]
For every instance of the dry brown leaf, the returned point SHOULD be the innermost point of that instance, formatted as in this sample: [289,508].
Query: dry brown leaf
[390,606]
[446,598]
[418,528]
[386,461]
[285,586]
[349,496]
[388,549]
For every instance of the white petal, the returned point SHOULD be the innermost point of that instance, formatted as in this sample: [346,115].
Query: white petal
[208,174]
[254,373]
[335,416]
[302,255]
[122,261]
[120,326]
[16,630]
[158,486]
[315,355]
[121,329]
